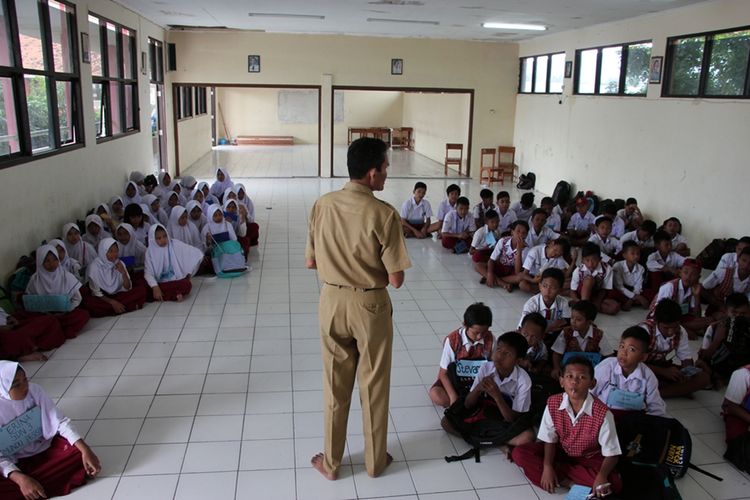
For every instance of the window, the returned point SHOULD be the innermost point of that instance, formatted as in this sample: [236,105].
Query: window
[40,99]
[708,65]
[613,70]
[184,101]
[200,101]
[156,61]
[114,74]
[542,74]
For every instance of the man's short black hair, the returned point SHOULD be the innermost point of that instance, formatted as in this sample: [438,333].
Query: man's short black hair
[420,185]
[628,245]
[649,226]
[363,154]
[503,194]
[603,218]
[477,314]
[150,180]
[538,211]
[660,236]
[490,214]
[515,341]
[517,223]
[527,199]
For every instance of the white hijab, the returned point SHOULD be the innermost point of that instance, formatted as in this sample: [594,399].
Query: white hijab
[159,216]
[164,201]
[134,248]
[127,200]
[57,282]
[188,233]
[171,262]
[187,183]
[136,176]
[246,201]
[90,238]
[235,223]
[217,227]
[103,272]
[82,251]
[218,187]
[68,263]
[112,202]
[202,220]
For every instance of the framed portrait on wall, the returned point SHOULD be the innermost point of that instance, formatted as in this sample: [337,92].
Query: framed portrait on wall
[253,64]
[654,74]
[397,66]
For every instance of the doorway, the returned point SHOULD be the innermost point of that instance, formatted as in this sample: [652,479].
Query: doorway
[156,105]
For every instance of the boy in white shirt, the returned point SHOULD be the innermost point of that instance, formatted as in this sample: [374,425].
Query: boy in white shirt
[548,302]
[554,222]
[673,227]
[506,262]
[726,344]
[627,278]
[631,215]
[536,361]
[445,206]
[525,207]
[504,212]
[644,237]
[663,264]
[482,207]
[581,223]
[539,233]
[592,280]
[542,257]
[485,238]
[602,236]
[724,281]
[729,259]
[458,226]
[736,408]
[582,335]
[416,213]
[618,226]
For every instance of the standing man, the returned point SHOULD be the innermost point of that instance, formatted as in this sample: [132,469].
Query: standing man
[356,243]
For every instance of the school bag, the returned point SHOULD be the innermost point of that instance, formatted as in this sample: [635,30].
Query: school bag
[526,181]
[711,255]
[738,452]
[734,351]
[561,194]
[227,259]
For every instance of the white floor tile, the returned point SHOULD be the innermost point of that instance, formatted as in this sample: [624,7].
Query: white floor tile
[267,454]
[176,405]
[156,459]
[211,457]
[146,487]
[270,426]
[126,407]
[114,432]
[311,485]
[270,485]
[395,480]
[216,486]
[217,428]
[165,430]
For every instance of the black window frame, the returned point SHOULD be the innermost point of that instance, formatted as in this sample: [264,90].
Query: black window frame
[184,101]
[200,101]
[16,73]
[533,73]
[155,61]
[705,65]
[598,78]
[124,81]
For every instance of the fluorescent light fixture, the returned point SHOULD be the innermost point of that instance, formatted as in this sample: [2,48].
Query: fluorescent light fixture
[512,26]
[403,21]
[285,16]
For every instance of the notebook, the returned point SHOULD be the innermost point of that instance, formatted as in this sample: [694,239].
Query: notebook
[47,303]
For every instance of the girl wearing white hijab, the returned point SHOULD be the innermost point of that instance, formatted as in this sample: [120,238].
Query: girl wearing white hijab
[155,211]
[253,229]
[132,194]
[67,262]
[112,291]
[238,218]
[137,217]
[75,246]
[50,458]
[129,245]
[164,184]
[208,198]
[116,208]
[180,229]
[222,183]
[104,213]
[94,230]
[169,201]
[51,279]
[169,265]
[196,215]
[216,225]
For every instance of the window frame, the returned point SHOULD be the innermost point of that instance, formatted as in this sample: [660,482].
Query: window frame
[17,74]
[201,93]
[156,61]
[533,73]
[598,77]
[705,65]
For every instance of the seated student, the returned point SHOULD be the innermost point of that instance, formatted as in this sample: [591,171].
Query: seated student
[196,215]
[132,194]
[663,264]
[149,185]
[539,233]
[503,390]
[138,178]
[579,442]
[735,408]
[631,215]
[673,227]
[130,246]
[237,216]
[554,221]
[724,281]
[582,335]
[181,196]
[485,238]
[445,206]
[155,211]
[505,264]
[51,279]
[75,247]
[170,200]
[729,259]
[94,230]
[543,257]
[726,344]
[627,279]
[25,339]
[667,336]
[164,185]
[208,197]
[602,237]
[187,183]
[49,460]
[109,223]
[111,290]
[217,225]
[525,207]
[169,265]
[483,206]
[581,223]
[533,327]
[506,216]
[553,307]
[116,209]
[66,262]
[253,229]
[624,382]
[686,292]
[618,226]
[180,229]
[222,183]
[473,343]
[416,213]
[644,237]
[592,280]
[459,226]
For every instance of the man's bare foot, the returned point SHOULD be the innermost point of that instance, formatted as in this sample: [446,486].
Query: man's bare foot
[34,356]
[179,298]
[317,463]
[388,460]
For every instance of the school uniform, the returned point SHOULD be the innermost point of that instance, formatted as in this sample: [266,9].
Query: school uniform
[131,200]
[655,263]
[559,309]
[583,441]
[479,210]
[214,228]
[134,247]
[219,187]
[160,215]
[188,233]
[571,340]
[39,333]
[504,256]
[106,280]
[602,275]
[239,226]
[201,221]
[444,208]
[660,346]
[629,220]
[484,242]
[68,263]
[581,223]
[537,354]
[536,261]
[729,259]
[639,391]
[416,213]
[459,347]
[253,229]
[724,281]
[505,220]
[627,283]
[609,247]
[516,386]
[89,237]
[534,238]
[633,236]
[455,224]
[554,222]
[171,266]
[676,291]
[522,213]
[679,239]
[737,392]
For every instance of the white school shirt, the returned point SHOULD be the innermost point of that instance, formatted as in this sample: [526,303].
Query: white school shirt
[627,282]
[607,432]
[536,261]
[666,291]
[413,212]
[609,248]
[522,213]
[479,210]
[656,262]
[633,236]
[504,246]
[738,386]
[454,224]
[664,344]
[608,375]
[444,208]
[603,271]
[579,223]
[546,234]
[559,309]
[553,222]
[618,225]
[728,260]
[708,337]
[517,385]
[557,210]
[506,220]
[538,353]
[677,239]
[449,356]
[583,340]
[717,277]
[479,242]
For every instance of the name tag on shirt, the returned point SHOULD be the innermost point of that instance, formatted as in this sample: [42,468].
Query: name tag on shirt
[594,357]
[685,308]
[21,432]
[469,367]
[490,239]
[625,400]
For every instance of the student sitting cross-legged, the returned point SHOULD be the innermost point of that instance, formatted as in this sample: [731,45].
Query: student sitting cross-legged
[449,203]
[552,254]
[592,280]
[506,262]
[416,213]
[169,265]
[485,238]
[726,344]
[581,336]
[458,226]
[736,412]
[111,290]
[549,303]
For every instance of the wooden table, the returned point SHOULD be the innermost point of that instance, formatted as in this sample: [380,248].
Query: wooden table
[382,133]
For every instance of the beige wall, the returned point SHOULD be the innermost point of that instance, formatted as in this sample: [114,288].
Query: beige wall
[489,68]
[195,138]
[437,119]
[368,108]
[64,186]
[681,157]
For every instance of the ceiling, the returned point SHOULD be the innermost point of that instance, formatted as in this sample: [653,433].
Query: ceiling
[447,19]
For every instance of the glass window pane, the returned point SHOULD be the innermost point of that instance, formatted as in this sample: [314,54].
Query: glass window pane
[159,63]
[727,69]
[113,63]
[6,52]
[29,33]
[129,107]
[65,112]
[527,70]
[587,71]
[685,70]
[610,76]
[557,73]
[636,73]
[95,47]
[115,107]
[99,105]
[8,125]
[540,78]
[37,103]
[128,44]
[62,46]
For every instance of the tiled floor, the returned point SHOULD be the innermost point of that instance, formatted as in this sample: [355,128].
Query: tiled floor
[220,396]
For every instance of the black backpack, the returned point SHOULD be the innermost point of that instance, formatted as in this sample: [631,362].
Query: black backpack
[561,194]
[526,181]
[711,255]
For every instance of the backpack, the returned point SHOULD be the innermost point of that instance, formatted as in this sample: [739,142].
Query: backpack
[561,194]
[526,181]
[738,452]
[711,255]
[227,259]
[619,204]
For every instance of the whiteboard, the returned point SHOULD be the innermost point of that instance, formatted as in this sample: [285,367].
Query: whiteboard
[298,106]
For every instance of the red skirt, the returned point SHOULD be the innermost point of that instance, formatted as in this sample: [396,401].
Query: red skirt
[171,289]
[253,233]
[71,322]
[35,333]
[133,299]
[58,469]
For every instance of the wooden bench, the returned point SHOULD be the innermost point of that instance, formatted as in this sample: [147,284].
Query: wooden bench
[265,140]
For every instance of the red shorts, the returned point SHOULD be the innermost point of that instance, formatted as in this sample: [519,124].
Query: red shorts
[481,255]
[502,270]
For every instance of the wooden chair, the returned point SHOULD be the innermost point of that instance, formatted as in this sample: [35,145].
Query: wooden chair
[506,156]
[454,160]
[487,169]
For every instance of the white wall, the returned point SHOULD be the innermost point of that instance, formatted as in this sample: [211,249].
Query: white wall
[194,139]
[681,157]
[64,186]
[368,108]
